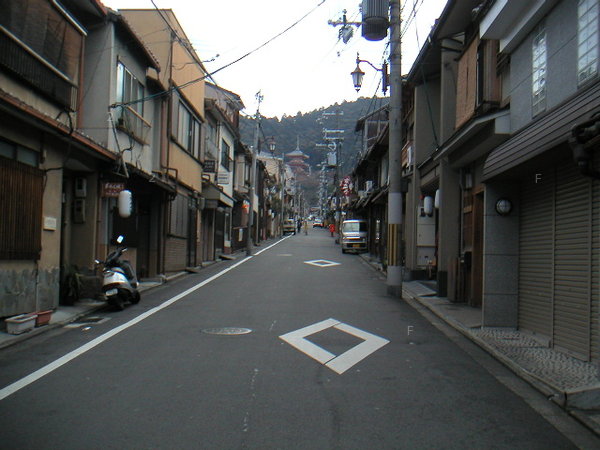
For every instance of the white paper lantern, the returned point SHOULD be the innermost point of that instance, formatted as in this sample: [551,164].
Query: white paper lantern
[125,203]
[428,205]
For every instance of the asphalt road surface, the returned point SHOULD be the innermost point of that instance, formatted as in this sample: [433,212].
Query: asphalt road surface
[297,347]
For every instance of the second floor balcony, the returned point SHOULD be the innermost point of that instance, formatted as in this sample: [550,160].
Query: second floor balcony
[132,123]
[22,62]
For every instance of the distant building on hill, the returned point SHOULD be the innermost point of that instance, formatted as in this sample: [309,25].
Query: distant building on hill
[297,161]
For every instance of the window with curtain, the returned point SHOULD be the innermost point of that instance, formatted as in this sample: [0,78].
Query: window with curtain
[131,113]
[188,130]
[587,40]
[538,70]
[225,158]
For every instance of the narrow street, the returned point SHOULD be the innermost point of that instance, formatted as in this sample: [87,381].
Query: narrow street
[220,368]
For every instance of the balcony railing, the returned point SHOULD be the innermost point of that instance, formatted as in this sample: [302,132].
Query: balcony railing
[134,124]
[17,59]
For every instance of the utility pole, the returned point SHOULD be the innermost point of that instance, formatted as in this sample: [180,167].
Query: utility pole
[394,238]
[259,97]
[335,138]
[282,180]
[395,269]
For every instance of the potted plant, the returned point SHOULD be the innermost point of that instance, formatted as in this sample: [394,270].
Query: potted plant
[43,318]
[20,324]
[70,284]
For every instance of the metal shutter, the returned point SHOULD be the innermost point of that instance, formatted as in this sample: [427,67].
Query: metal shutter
[559,259]
[595,267]
[572,258]
[536,253]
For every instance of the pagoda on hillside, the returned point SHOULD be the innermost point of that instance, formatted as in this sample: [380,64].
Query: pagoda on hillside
[297,161]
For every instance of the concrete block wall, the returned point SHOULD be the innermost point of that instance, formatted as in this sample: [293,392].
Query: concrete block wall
[501,258]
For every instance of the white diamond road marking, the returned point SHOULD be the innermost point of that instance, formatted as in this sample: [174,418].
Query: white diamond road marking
[339,363]
[322,263]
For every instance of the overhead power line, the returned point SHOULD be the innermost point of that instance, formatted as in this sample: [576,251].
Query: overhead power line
[209,75]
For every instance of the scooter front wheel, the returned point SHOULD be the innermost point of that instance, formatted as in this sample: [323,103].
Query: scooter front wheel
[135,298]
[119,303]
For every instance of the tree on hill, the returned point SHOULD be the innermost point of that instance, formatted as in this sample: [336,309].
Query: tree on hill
[308,129]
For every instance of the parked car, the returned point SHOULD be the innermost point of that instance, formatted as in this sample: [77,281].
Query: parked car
[353,235]
[317,223]
[289,226]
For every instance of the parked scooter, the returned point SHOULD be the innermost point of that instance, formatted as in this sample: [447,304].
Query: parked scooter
[120,285]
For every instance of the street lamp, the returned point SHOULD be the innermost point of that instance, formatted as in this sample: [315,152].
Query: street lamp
[357,74]
[271,144]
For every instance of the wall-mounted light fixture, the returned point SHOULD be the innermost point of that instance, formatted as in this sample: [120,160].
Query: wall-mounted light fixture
[468,181]
[503,206]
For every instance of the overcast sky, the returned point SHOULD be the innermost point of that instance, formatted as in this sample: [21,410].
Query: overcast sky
[305,68]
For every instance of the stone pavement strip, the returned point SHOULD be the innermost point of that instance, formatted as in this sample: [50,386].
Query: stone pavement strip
[571,383]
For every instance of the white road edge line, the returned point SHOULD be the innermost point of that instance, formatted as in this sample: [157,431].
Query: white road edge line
[34,376]
[272,245]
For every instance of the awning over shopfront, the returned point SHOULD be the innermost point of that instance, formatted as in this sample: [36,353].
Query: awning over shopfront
[546,133]
[158,181]
[476,139]
[216,197]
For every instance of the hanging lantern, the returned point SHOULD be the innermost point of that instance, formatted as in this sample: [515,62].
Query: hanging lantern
[125,203]
[428,205]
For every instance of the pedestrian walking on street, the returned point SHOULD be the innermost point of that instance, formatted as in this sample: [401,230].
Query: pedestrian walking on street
[305,225]
[332,228]
[299,225]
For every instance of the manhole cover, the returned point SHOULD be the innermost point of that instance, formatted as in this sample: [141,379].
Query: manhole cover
[228,331]
[85,321]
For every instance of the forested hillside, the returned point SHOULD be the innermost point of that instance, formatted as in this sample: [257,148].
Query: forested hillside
[308,127]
